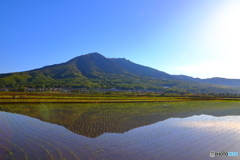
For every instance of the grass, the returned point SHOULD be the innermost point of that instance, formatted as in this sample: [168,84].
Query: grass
[31,97]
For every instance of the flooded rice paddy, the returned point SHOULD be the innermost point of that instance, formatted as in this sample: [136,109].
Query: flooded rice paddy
[174,130]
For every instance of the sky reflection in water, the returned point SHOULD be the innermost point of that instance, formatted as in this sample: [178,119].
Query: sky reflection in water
[192,137]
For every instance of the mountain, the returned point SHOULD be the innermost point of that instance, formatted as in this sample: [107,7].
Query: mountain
[94,63]
[93,71]
[214,80]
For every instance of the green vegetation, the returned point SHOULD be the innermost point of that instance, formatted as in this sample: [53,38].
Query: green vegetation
[94,72]
[108,97]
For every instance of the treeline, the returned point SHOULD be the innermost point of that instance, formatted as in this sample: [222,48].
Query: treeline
[22,82]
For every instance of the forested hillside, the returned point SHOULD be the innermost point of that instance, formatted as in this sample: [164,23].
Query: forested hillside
[92,71]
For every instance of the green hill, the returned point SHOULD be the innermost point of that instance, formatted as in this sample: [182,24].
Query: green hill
[214,80]
[96,71]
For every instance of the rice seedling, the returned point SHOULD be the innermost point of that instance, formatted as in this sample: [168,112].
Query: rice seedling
[133,131]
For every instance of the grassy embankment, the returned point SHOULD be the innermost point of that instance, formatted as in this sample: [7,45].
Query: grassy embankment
[30,97]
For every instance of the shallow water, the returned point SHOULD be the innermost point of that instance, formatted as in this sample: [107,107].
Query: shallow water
[182,130]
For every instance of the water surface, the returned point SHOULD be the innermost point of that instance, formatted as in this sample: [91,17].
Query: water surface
[180,130]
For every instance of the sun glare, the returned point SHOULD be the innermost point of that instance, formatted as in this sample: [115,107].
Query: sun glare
[222,29]
[219,37]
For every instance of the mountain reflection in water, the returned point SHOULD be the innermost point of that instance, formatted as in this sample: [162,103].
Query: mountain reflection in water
[92,120]
[148,131]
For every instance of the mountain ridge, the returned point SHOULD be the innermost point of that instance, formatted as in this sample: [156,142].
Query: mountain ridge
[93,70]
[213,80]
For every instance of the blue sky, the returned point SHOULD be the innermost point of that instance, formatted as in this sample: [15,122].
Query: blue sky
[195,38]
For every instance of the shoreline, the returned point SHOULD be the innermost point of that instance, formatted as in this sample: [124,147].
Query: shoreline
[107,101]
[21,97]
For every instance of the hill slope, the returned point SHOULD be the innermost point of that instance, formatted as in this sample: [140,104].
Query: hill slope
[215,80]
[96,71]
